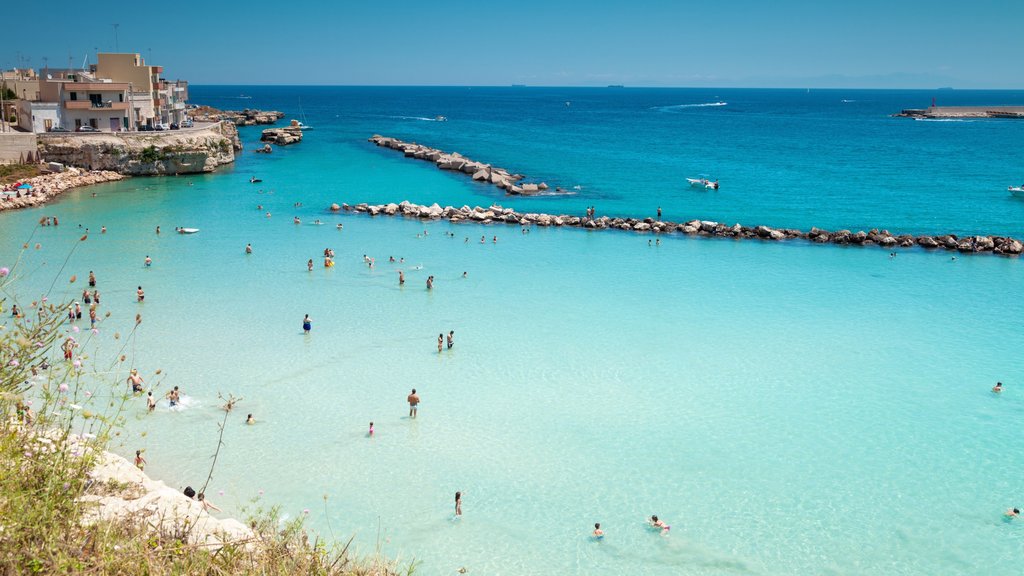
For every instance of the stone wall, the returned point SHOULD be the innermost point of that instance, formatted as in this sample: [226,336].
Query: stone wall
[17,147]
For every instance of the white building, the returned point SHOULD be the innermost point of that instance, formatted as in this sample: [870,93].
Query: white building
[38,116]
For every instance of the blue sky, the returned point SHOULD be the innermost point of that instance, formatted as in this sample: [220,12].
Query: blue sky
[780,43]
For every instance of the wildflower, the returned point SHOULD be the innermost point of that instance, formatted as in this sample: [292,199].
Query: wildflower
[77,363]
[88,394]
[4,271]
[305,510]
[63,387]
[13,363]
[75,329]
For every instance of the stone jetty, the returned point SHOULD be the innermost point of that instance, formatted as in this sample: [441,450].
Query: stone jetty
[48,186]
[511,183]
[949,112]
[498,214]
[245,117]
[282,136]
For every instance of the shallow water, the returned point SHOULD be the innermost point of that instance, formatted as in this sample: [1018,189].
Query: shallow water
[787,408]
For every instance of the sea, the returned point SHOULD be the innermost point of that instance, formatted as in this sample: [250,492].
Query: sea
[786,408]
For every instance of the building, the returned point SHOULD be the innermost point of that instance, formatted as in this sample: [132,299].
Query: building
[22,81]
[143,81]
[86,101]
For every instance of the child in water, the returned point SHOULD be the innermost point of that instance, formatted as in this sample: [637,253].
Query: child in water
[598,533]
[659,524]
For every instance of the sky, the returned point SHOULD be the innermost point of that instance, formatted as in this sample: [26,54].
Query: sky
[714,43]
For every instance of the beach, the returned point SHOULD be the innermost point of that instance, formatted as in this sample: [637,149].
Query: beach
[784,406]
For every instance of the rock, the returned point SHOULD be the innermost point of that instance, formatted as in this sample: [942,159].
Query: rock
[481,175]
[927,242]
[888,241]
[641,226]
[776,235]
[542,186]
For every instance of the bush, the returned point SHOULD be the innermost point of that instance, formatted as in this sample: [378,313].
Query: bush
[149,154]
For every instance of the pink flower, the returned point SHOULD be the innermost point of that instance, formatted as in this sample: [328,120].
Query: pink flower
[305,511]
[220,492]
[28,402]
[95,330]
[88,394]
[74,329]
[4,271]
[13,363]
[261,492]
[63,387]
[77,363]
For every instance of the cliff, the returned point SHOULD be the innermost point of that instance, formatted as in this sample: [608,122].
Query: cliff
[185,151]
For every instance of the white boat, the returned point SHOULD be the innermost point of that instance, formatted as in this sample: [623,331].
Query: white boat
[1017,190]
[187,230]
[302,125]
[440,119]
[704,181]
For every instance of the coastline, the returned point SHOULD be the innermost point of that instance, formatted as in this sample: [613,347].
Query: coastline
[1002,245]
[128,493]
[48,186]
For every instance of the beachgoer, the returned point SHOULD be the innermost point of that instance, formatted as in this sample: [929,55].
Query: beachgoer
[71,312]
[96,296]
[150,401]
[659,524]
[464,274]
[598,533]
[249,419]
[340,226]
[92,317]
[248,248]
[370,433]
[135,380]
[149,261]
[310,264]
[86,297]
[451,339]
[458,504]
[158,230]
[15,312]
[297,221]
[103,229]
[307,324]
[391,259]
[998,387]
[1012,513]
[495,239]
[430,282]
[483,239]
[140,294]
[68,347]
[92,279]
[174,396]
[414,402]
[207,505]
[401,278]
[440,342]
[140,462]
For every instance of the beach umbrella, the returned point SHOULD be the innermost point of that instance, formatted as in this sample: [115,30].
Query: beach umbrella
[25,187]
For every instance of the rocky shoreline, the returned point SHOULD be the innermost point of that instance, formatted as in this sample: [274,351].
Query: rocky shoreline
[245,117]
[497,214]
[500,177]
[49,186]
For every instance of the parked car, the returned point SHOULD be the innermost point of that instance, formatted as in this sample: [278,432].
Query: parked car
[161,126]
[144,128]
[174,126]
[186,124]
[87,128]
[58,129]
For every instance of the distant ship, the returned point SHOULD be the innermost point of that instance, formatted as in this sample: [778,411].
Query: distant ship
[519,85]
[616,86]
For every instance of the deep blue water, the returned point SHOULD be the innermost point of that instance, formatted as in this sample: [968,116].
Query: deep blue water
[787,158]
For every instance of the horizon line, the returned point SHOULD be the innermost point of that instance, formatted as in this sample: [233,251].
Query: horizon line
[615,86]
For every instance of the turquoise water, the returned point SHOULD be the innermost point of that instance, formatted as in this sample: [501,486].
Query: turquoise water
[787,408]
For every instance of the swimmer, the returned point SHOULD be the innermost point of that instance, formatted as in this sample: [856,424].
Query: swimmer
[370,433]
[158,230]
[430,282]
[657,242]
[466,241]
[451,339]
[464,274]
[103,230]
[495,239]
[268,214]
[458,504]
[140,462]
[659,524]
[174,396]
[149,261]
[206,504]
[135,380]
[483,239]
[998,387]
[440,342]
[93,318]
[249,419]
[414,401]
[150,401]
[96,296]
[140,294]
[309,265]
[68,347]
[391,259]
[307,324]
[1012,513]
[401,278]
[296,220]
[92,279]
[597,533]
[248,248]
[401,260]
[340,226]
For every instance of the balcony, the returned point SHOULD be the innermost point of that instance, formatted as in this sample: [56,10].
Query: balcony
[90,105]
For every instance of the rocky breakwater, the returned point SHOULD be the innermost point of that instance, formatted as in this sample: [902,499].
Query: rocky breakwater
[145,153]
[282,136]
[883,238]
[49,186]
[245,117]
[509,182]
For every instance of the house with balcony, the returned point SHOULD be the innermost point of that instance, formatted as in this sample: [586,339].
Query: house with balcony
[87,101]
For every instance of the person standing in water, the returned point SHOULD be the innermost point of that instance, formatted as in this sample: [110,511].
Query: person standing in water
[998,387]
[135,380]
[248,248]
[430,282]
[158,230]
[370,433]
[309,265]
[149,261]
[659,212]
[92,279]
[307,324]
[598,533]
[96,296]
[440,343]
[150,401]
[451,339]
[250,420]
[458,504]
[414,402]
[140,294]
[174,396]
[401,278]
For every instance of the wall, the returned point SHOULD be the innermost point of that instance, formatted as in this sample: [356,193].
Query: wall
[17,147]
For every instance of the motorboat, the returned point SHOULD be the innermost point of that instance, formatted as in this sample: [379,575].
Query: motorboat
[255,180]
[187,230]
[705,181]
[440,119]
[1017,190]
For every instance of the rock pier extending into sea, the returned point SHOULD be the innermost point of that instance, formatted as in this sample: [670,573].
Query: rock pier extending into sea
[498,214]
[500,177]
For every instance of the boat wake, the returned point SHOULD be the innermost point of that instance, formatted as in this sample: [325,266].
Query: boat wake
[683,106]
[848,101]
[421,118]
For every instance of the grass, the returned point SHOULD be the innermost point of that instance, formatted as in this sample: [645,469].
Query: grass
[10,173]
[51,431]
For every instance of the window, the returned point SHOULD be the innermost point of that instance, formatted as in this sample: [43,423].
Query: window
[74,95]
[78,123]
[120,97]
